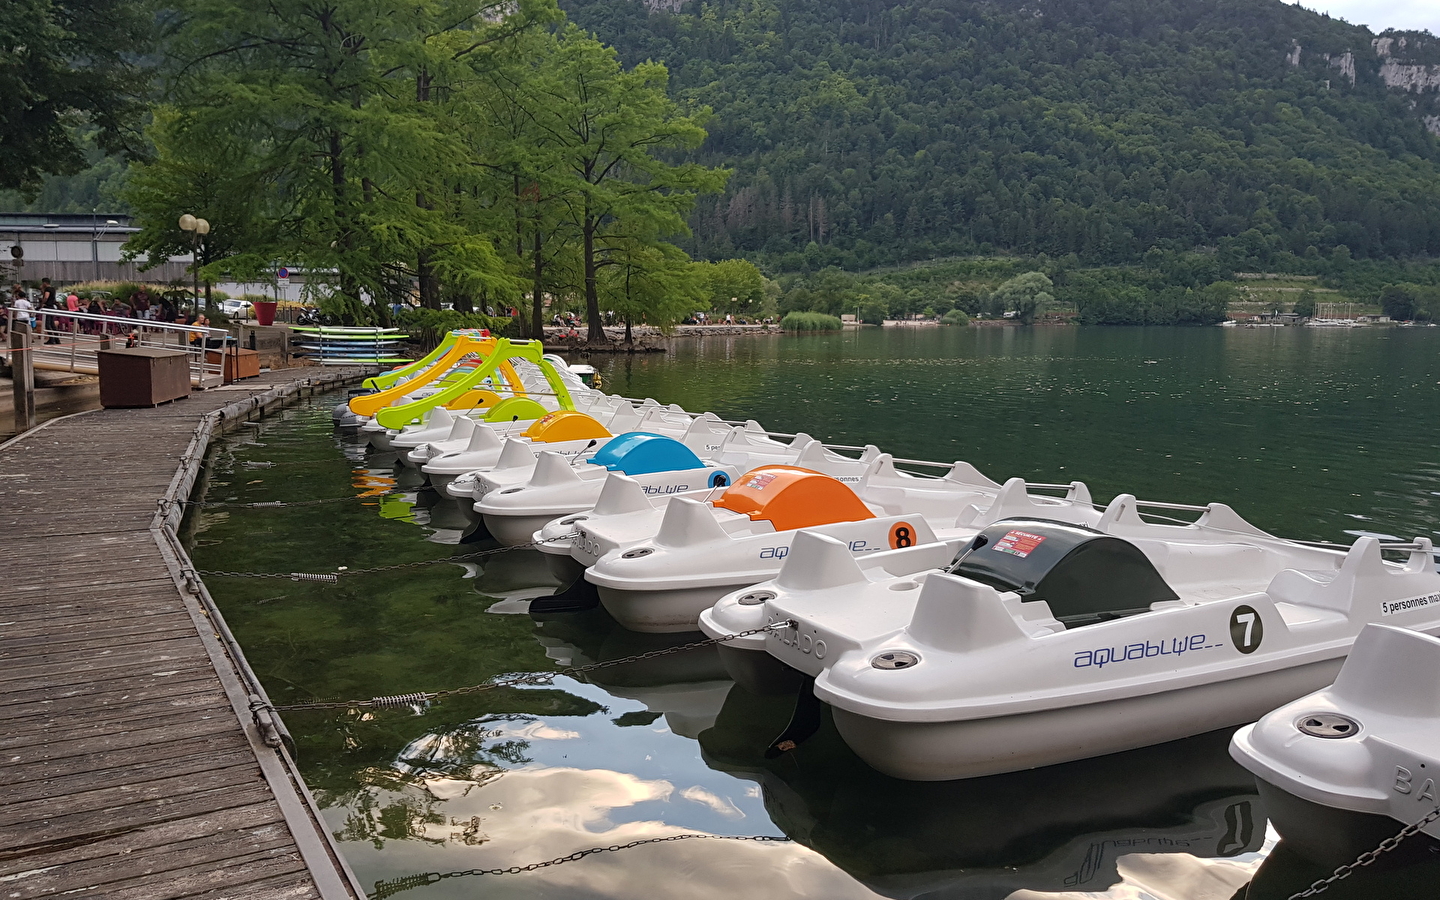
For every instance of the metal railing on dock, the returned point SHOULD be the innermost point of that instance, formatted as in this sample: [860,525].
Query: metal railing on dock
[67,341]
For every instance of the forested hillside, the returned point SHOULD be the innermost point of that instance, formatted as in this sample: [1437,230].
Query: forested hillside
[867,132]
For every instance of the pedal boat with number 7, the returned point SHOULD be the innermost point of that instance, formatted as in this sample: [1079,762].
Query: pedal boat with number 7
[702,551]
[1046,642]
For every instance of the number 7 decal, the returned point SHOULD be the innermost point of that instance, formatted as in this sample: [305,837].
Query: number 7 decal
[1246,629]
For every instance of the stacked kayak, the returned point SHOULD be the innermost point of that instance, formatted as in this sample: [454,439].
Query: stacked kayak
[345,346]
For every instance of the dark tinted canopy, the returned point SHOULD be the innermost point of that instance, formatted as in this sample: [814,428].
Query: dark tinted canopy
[1085,576]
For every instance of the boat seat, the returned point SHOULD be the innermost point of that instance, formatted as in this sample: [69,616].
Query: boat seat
[1362,573]
[1297,616]
[1205,564]
[1014,500]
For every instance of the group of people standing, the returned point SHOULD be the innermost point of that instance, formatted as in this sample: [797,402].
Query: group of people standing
[53,325]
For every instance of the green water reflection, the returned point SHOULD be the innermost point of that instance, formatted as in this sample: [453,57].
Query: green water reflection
[1310,433]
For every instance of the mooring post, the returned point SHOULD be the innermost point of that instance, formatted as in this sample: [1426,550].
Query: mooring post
[22,369]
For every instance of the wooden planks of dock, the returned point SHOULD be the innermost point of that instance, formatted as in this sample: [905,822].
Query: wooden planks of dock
[130,766]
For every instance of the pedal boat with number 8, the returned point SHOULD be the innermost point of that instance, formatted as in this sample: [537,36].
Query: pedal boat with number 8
[702,551]
[1045,642]
[625,514]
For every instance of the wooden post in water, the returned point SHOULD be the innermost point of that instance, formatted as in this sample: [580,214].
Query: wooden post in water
[22,369]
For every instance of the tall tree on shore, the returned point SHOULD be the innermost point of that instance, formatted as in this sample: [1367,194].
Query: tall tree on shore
[648,281]
[63,62]
[608,129]
[340,93]
[518,188]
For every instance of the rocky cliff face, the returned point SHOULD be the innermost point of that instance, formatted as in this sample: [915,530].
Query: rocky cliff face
[1407,61]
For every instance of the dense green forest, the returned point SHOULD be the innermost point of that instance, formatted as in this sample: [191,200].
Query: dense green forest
[1123,159]
[865,132]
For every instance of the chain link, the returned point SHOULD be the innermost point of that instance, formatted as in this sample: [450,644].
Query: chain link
[277,504]
[334,577]
[390,888]
[532,679]
[1369,856]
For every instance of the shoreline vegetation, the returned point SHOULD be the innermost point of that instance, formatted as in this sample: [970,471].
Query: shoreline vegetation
[964,162]
[810,321]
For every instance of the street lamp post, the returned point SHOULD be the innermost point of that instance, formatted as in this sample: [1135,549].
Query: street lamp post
[97,231]
[197,229]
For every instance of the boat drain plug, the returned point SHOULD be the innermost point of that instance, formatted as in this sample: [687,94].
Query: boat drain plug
[637,553]
[895,659]
[755,598]
[1328,725]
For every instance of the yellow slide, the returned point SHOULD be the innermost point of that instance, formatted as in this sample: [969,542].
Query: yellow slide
[498,360]
[464,345]
[386,379]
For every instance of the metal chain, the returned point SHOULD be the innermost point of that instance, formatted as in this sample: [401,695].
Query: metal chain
[532,679]
[334,577]
[274,504]
[1369,856]
[390,888]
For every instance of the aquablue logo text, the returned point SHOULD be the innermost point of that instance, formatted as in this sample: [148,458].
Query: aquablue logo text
[1104,656]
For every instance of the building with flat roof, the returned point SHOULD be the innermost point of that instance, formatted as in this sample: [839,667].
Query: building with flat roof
[73,247]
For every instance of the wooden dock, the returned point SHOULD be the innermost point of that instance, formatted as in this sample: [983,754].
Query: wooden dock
[131,767]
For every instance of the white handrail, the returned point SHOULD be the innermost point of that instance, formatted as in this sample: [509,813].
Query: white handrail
[136,332]
[149,324]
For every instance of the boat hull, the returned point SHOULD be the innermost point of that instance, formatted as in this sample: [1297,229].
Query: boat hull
[512,531]
[561,564]
[665,611]
[1333,837]
[441,481]
[758,672]
[945,751]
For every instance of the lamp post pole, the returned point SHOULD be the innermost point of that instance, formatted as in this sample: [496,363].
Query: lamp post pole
[197,229]
[97,231]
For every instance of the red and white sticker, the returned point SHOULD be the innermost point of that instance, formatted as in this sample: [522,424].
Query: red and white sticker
[758,482]
[1019,543]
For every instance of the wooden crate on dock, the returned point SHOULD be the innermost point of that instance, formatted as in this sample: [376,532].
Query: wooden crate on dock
[239,363]
[142,376]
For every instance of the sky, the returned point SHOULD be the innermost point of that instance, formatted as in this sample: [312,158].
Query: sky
[1382,14]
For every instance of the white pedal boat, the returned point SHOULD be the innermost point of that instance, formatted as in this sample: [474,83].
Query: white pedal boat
[701,552]
[570,433]
[559,487]
[1348,766]
[742,450]
[515,465]
[598,418]
[483,472]
[1054,642]
[583,399]
[553,432]
[625,514]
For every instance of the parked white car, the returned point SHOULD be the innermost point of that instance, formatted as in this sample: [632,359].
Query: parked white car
[238,309]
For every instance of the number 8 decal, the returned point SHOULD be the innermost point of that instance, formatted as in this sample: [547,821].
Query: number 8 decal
[902,534]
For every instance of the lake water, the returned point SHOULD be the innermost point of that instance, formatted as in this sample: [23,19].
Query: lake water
[1312,433]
